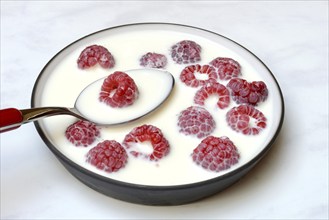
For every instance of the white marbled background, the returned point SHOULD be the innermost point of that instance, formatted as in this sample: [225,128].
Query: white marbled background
[291,37]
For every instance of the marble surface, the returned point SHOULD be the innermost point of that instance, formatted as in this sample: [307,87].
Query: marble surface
[291,37]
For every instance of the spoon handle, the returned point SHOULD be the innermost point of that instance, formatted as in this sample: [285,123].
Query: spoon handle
[12,118]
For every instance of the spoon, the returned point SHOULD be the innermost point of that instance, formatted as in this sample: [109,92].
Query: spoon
[154,88]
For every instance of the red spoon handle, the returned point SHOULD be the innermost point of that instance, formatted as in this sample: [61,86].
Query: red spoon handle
[10,118]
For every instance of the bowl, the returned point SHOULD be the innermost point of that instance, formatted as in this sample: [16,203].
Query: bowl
[173,180]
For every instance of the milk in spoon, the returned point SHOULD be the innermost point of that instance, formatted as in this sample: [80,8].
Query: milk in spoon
[154,87]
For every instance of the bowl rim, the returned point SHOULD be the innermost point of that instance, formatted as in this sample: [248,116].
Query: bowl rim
[87,172]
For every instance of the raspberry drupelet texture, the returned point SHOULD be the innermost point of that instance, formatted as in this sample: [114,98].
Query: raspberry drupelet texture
[210,89]
[153,60]
[82,133]
[196,121]
[246,119]
[118,90]
[186,52]
[149,133]
[94,54]
[188,75]
[216,153]
[250,93]
[108,155]
[226,68]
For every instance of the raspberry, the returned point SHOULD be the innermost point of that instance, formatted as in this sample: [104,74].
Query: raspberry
[108,155]
[148,133]
[153,60]
[246,119]
[118,90]
[94,54]
[196,121]
[188,77]
[226,68]
[82,133]
[186,51]
[216,153]
[250,93]
[210,89]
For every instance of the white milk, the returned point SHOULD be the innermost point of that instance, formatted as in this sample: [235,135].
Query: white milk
[127,46]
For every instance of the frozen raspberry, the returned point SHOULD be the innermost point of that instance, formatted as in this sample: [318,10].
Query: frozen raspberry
[186,52]
[188,75]
[210,89]
[118,90]
[108,155]
[148,133]
[196,121]
[250,93]
[216,153]
[226,68]
[246,119]
[153,60]
[82,133]
[94,54]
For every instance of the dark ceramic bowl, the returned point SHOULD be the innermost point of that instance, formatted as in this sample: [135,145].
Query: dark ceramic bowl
[158,194]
